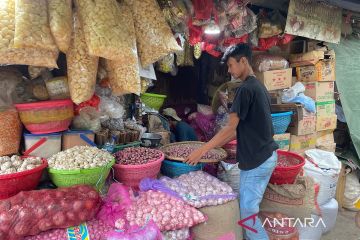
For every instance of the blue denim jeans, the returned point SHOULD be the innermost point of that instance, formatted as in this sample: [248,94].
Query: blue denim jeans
[252,187]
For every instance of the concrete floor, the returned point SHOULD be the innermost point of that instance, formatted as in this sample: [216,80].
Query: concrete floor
[345,228]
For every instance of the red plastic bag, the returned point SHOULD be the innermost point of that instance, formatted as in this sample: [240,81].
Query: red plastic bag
[32,212]
[115,204]
[203,9]
[94,230]
[93,102]
[267,43]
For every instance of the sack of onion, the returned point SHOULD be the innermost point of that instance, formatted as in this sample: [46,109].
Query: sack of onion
[32,212]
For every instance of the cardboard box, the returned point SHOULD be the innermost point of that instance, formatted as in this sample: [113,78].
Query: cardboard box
[322,71]
[305,59]
[331,147]
[276,79]
[325,108]
[299,143]
[283,140]
[303,123]
[325,137]
[320,91]
[326,122]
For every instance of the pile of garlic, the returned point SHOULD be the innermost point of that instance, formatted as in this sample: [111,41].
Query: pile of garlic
[80,157]
[15,164]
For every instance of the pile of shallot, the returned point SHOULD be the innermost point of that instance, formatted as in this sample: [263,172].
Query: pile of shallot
[185,149]
[168,212]
[137,156]
[200,189]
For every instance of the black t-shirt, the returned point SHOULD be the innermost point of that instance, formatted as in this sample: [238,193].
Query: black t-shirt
[255,143]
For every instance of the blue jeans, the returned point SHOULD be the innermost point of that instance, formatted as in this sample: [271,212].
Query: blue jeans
[252,187]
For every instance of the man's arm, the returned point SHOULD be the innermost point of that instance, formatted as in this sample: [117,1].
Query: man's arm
[225,135]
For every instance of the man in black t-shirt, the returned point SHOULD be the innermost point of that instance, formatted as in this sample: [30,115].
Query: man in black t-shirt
[250,123]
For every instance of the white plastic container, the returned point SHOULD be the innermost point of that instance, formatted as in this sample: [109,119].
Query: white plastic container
[50,146]
[329,212]
[313,231]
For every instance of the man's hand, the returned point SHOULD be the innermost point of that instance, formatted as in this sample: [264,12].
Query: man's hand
[195,156]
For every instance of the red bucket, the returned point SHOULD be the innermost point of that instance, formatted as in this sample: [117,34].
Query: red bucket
[289,165]
[12,184]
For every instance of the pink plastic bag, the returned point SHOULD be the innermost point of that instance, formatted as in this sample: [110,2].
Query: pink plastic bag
[116,203]
[149,232]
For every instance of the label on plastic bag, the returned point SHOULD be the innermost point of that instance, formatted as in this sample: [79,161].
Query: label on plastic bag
[78,233]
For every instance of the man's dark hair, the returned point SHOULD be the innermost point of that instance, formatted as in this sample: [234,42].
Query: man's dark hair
[237,51]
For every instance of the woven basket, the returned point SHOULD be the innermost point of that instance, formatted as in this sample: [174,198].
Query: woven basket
[219,150]
[94,176]
[153,100]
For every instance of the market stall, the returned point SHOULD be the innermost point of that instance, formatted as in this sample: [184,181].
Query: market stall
[85,146]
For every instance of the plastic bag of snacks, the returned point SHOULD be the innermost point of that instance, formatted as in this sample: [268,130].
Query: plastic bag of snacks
[115,204]
[266,62]
[124,78]
[110,36]
[32,25]
[150,231]
[60,18]
[168,212]
[32,212]
[81,66]
[10,55]
[199,189]
[182,234]
[10,131]
[154,37]
[166,64]
[94,230]
[58,88]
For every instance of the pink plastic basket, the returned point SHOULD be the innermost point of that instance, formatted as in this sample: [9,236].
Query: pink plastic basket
[12,184]
[131,175]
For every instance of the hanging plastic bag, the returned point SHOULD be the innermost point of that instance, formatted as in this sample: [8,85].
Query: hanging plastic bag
[115,204]
[166,64]
[32,25]
[271,25]
[10,55]
[243,23]
[123,78]
[154,37]
[109,30]
[32,212]
[230,173]
[81,66]
[60,19]
[149,231]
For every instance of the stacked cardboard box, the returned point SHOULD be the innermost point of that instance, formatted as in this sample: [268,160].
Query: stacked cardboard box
[316,70]
[275,81]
